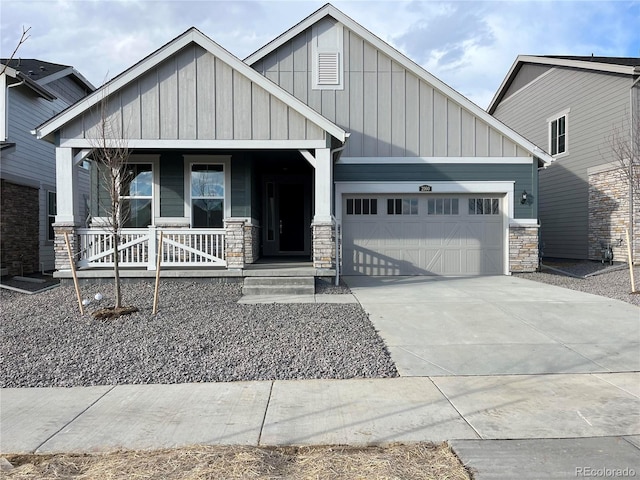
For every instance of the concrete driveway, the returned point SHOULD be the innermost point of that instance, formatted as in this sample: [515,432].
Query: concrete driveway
[438,326]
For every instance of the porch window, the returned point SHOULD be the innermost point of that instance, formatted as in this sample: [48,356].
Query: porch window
[137,195]
[207,195]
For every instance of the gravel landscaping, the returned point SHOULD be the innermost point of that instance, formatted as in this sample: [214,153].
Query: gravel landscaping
[200,334]
[590,277]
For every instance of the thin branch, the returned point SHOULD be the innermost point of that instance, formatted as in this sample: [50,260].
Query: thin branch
[23,38]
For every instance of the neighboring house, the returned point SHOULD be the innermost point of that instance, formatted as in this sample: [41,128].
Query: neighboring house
[574,107]
[326,126]
[32,92]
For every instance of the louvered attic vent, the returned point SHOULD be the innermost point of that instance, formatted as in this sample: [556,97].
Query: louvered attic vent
[328,68]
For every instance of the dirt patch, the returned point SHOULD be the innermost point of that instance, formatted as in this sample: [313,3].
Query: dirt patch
[420,461]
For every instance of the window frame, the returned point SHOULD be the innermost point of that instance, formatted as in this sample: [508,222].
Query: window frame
[152,197]
[51,218]
[555,119]
[225,161]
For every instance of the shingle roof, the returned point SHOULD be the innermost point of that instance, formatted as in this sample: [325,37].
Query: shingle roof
[33,68]
[628,61]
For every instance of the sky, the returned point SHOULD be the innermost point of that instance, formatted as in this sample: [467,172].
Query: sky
[469,45]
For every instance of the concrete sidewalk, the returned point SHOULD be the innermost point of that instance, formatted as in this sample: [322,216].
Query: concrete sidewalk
[308,412]
[530,381]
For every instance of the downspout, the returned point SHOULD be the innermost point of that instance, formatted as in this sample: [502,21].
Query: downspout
[5,134]
[634,154]
[335,220]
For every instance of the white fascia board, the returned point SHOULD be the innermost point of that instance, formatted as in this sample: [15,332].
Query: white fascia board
[584,64]
[195,36]
[69,71]
[204,144]
[435,160]
[407,63]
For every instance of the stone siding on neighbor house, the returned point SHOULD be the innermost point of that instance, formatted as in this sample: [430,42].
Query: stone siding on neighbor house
[609,213]
[19,228]
[324,245]
[523,249]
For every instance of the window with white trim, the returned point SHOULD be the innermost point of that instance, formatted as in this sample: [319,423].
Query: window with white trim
[136,200]
[402,206]
[52,209]
[558,133]
[362,206]
[207,195]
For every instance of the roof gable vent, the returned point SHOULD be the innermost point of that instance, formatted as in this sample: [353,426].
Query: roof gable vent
[328,68]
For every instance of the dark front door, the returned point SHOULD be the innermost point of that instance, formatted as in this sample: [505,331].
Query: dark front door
[287,215]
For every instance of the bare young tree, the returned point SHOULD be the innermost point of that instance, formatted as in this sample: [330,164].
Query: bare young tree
[624,142]
[111,152]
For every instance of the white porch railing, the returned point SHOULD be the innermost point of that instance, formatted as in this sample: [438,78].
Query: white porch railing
[181,247]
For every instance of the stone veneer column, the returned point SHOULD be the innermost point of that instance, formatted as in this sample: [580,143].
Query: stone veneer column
[251,242]
[324,245]
[60,246]
[234,243]
[523,249]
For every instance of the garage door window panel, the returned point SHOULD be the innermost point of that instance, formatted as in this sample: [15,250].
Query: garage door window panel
[443,206]
[362,206]
[484,206]
[402,206]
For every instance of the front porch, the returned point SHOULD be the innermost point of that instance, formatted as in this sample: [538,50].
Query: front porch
[185,253]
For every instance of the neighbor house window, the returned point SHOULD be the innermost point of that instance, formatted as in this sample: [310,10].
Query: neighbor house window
[207,195]
[52,210]
[558,133]
[137,195]
[402,206]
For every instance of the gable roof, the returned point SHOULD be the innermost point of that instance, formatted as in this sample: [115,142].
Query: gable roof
[618,65]
[410,65]
[192,35]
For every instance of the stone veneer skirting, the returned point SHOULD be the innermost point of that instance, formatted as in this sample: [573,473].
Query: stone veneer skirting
[19,228]
[523,249]
[251,243]
[609,213]
[324,245]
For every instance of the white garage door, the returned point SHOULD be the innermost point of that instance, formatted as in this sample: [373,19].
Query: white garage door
[422,234]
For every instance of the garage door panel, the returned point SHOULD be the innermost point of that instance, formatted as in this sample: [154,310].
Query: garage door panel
[442,241]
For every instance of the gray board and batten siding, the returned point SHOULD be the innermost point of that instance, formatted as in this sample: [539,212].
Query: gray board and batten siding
[388,110]
[194,95]
[597,103]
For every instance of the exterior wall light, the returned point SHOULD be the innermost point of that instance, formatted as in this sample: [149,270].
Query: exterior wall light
[524,197]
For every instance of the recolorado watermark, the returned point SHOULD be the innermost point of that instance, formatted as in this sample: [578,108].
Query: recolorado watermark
[594,472]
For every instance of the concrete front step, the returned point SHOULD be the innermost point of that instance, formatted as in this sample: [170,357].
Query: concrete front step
[278,286]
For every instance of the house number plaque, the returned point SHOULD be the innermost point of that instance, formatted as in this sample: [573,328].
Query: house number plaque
[424,188]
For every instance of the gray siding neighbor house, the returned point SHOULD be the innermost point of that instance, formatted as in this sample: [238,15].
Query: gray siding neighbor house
[32,91]
[575,107]
[326,145]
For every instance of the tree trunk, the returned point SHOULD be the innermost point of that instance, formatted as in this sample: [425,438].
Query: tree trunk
[116,268]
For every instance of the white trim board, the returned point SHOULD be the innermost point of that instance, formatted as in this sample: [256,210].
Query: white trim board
[205,144]
[434,160]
